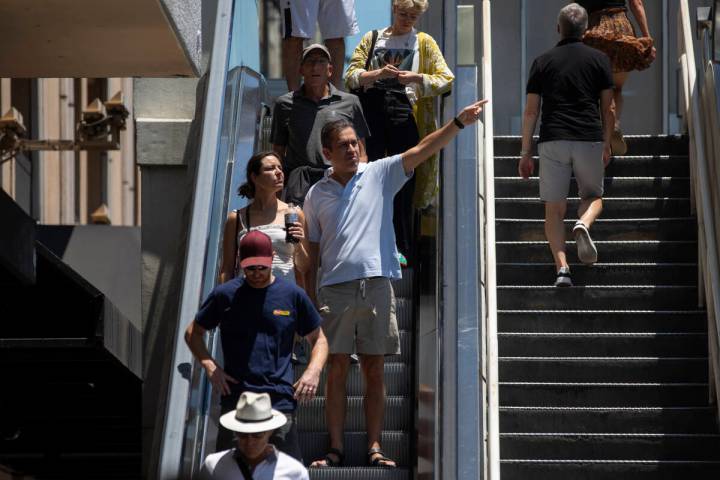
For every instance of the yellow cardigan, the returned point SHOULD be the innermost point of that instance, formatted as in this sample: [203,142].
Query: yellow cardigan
[437,79]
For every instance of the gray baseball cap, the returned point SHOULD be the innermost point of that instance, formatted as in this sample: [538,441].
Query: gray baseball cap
[316,46]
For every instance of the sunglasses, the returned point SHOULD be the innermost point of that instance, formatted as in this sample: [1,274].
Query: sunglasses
[256,268]
[243,435]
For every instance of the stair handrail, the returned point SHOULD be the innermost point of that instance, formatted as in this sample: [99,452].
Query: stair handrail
[487,204]
[700,120]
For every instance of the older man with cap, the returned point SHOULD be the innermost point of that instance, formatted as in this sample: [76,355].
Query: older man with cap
[258,317]
[253,421]
[300,115]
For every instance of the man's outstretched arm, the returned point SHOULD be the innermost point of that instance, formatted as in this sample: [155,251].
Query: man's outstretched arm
[434,142]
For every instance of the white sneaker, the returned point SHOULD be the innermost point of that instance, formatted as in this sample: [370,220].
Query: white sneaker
[563,278]
[587,253]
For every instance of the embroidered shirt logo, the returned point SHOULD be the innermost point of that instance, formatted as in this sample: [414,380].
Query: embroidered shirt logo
[284,313]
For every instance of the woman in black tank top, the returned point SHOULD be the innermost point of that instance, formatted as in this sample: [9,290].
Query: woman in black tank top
[610,31]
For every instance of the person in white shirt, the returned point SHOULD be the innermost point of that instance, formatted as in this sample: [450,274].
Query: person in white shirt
[253,458]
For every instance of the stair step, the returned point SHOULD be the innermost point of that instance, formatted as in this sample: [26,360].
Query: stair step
[625,166]
[397,379]
[622,207]
[398,415]
[670,228]
[637,144]
[603,470]
[593,344]
[644,251]
[608,420]
[602,320]
[603,394]
[600,273]
[613,187]
[638,297]
[360,473]
[603,369]
[394,444]
[611,446]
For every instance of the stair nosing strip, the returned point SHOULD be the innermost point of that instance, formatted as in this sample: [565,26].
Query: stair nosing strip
[601,264]
[605,242]
[610,384]
[601,334]
[610,434]
[603,409]
[605,359]
[614,312]
[619,462]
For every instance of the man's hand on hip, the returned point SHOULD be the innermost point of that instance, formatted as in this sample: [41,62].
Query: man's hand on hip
[307,386]
[218,378]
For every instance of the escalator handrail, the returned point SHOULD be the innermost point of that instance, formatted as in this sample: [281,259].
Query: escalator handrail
[708,219]
[491,360]
[171,450]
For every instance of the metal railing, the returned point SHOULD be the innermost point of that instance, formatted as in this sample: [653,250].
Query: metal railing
[701,121]
[487,206]
[231,131]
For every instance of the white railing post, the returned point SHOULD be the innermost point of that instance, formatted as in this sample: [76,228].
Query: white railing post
[491,347]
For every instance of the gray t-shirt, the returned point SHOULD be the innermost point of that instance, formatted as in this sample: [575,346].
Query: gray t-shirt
[297,122]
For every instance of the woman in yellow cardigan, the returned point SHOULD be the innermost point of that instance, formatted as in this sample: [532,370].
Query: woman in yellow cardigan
[400,70]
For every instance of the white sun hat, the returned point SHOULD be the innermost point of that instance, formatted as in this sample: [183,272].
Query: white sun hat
[253,414]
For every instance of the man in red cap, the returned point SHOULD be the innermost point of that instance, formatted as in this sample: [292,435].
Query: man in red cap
[258,317]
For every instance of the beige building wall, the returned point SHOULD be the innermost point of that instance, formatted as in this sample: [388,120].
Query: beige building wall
[71,185]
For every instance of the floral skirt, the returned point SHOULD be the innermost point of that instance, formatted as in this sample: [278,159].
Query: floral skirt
[610,31]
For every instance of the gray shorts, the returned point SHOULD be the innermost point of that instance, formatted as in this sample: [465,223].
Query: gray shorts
[559,159]
[359,317]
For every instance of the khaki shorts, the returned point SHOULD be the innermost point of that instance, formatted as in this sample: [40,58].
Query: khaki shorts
[359,317]
[559,159]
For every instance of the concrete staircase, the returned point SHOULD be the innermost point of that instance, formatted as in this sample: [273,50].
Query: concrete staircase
[606,379]
[398,433]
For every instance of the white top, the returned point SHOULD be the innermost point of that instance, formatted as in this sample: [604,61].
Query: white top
[276,466]
[400,51]
[353,223]
[283,264]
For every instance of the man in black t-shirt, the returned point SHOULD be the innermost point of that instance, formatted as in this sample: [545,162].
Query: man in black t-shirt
[574,84]
[258,318]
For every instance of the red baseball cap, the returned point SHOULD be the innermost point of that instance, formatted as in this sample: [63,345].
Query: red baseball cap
[256,249]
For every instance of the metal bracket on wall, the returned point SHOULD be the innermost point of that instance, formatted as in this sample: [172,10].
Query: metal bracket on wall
[99,129]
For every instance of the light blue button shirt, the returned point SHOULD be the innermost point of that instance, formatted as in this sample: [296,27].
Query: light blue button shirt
[354,223]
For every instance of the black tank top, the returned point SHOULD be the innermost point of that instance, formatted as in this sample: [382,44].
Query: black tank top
[595,5]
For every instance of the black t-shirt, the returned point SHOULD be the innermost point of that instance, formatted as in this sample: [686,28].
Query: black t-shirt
[258,327]
[569,79]
[595,5]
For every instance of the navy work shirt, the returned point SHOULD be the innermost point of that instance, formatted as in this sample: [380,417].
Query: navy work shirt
[257,327]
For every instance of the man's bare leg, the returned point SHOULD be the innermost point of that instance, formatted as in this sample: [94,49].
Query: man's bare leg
[291,57]
[589,210]
[337,52]
[555,231]
[373,369]
[335,400]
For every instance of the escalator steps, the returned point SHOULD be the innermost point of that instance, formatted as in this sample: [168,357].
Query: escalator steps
[397,379]
[398,415]
[357,473]
[394,444]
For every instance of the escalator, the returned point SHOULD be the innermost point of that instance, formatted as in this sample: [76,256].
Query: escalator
[433,386]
